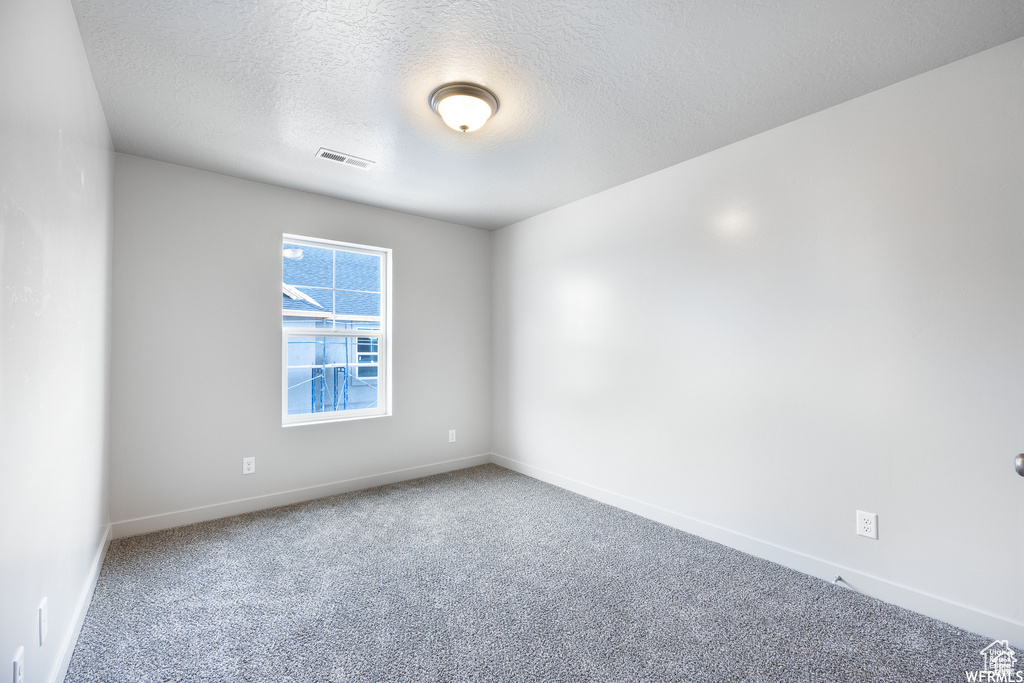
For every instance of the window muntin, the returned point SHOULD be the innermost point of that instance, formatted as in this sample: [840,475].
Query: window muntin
[335,320]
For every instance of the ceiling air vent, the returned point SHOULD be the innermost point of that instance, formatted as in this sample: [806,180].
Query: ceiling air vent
[346,159]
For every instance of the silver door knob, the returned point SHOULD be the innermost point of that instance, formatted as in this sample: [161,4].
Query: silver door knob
[1018,464]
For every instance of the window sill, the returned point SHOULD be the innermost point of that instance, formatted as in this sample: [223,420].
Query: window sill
[333,417]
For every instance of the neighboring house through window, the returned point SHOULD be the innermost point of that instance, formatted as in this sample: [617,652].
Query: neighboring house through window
[335,320]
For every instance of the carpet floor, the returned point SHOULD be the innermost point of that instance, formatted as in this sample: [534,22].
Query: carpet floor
[483,575]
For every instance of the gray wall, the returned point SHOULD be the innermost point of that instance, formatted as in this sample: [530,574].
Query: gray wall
[197,262]
[822,318]
[56,166]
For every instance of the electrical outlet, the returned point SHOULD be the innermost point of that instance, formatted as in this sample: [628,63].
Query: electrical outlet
[19,665]
[451,436]
[867,524]
[248,465]
[44,621]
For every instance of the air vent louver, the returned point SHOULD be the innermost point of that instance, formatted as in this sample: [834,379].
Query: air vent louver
[361,163]
[346,159]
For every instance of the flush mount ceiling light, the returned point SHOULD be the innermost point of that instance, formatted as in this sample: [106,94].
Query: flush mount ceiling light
[465,107]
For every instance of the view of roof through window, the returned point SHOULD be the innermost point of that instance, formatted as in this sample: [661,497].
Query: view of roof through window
[329,284]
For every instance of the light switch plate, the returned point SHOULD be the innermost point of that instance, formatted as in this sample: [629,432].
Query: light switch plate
[19,666]
[44,621]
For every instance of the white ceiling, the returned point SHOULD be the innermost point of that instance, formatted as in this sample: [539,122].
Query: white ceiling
[592,94]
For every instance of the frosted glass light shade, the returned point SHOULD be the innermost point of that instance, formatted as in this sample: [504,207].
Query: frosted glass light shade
[463,107]
[464,112]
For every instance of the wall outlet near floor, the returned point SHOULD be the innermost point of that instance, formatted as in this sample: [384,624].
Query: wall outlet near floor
[44,621]
[451,436]
[867,524]
[19,666]
[248,465]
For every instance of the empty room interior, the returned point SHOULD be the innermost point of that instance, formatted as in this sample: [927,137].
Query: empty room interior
[701,350]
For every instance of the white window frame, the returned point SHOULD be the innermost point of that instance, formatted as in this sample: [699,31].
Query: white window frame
[383,337]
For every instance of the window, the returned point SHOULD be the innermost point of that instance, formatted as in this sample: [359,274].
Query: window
[335,312]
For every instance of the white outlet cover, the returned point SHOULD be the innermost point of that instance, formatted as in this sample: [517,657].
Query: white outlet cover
[867,524]
[451,435]
[248,465]
[19,665]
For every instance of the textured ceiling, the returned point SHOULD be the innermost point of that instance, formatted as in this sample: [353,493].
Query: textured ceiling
[592,94]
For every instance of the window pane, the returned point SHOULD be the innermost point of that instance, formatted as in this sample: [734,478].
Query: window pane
[317,299]
[328,284]
[307,322]
[324,376]
[357,272]
[356,303]
[308,266]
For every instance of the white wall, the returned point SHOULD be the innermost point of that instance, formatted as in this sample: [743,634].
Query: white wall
[197,348]
[823,318]
[56,166]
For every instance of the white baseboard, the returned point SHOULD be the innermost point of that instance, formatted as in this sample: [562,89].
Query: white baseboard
[81,609]
[963,616]
[145,525]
